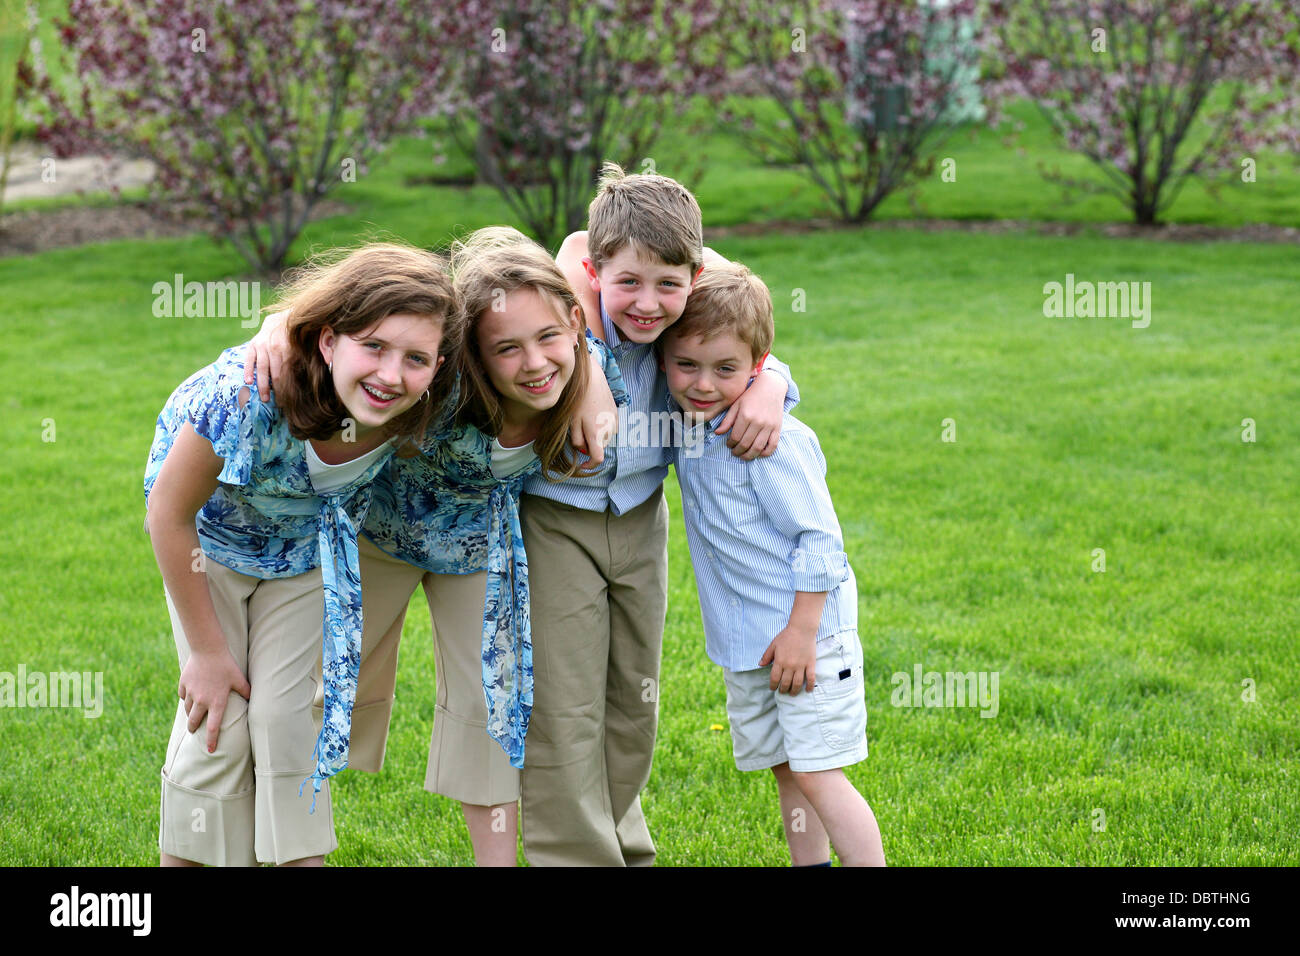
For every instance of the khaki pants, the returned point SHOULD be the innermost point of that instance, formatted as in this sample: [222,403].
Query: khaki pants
[598,585]
[240,805]
[465,764]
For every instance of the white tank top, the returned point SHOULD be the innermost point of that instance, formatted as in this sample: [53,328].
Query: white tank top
[326,478]
[507,461]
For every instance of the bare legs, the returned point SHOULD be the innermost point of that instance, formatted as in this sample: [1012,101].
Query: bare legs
[823,808]
[494,832]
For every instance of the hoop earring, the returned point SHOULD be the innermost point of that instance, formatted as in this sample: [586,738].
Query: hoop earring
[426,395]
[331,368]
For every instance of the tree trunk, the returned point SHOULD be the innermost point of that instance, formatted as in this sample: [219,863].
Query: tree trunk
[1144,212]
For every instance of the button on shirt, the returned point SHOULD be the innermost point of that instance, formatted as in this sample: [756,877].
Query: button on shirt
[758,532]
[637,463]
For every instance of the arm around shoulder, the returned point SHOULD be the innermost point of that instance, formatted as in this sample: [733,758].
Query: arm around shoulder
[571,261]
[756,417]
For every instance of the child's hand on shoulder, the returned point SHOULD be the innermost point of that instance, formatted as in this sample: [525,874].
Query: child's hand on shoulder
[755,418]
[793,656]
[267,352]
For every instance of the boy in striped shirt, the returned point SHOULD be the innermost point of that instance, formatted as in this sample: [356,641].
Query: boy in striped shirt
[777,595]
[598,546]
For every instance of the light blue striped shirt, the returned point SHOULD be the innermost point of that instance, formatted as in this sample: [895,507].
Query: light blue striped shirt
[759,531]
[637,462]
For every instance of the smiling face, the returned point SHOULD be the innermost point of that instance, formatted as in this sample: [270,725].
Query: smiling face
[384,370]
[528,352]
[642,294]
[706,377]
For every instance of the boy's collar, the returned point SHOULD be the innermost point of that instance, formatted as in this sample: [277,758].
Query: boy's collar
[699,428]
[714,422]
[612,338]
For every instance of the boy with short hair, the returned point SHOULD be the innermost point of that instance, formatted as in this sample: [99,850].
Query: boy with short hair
[777,595]
[598,546]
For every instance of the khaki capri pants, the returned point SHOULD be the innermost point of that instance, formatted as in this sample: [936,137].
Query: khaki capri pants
[240,805]
[465,764]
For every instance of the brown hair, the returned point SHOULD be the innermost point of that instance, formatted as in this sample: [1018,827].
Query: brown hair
[350,292]
[728,298]
[654,214]
[489,264]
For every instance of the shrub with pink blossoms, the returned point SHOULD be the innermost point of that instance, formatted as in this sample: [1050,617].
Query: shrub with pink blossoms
[1155,93]
[863,92]
[251,110]
[548,90]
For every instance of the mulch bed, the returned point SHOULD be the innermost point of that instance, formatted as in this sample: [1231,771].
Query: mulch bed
[38,230]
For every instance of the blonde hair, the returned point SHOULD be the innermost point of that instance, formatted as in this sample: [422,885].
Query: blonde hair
[652,213]
[351,291]
[486,265]
[727,297]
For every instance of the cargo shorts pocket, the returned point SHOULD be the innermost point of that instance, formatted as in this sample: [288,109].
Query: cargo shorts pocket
[838,696]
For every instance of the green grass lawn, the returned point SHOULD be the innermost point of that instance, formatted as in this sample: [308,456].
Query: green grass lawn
[1120,692]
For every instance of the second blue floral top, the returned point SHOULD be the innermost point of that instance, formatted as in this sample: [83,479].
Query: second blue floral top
[443,510]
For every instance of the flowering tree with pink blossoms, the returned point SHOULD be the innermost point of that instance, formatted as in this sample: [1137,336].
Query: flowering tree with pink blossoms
[862,91]
[14,40]
[251,110]
[1154,93]
[548,90]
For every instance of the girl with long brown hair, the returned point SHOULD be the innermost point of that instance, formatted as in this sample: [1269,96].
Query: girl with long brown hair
[252,510]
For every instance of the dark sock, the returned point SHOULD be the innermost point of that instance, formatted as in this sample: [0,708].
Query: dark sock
[808,866]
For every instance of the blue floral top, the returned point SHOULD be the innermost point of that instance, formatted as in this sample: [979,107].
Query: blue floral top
[444,511]
[266,520]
